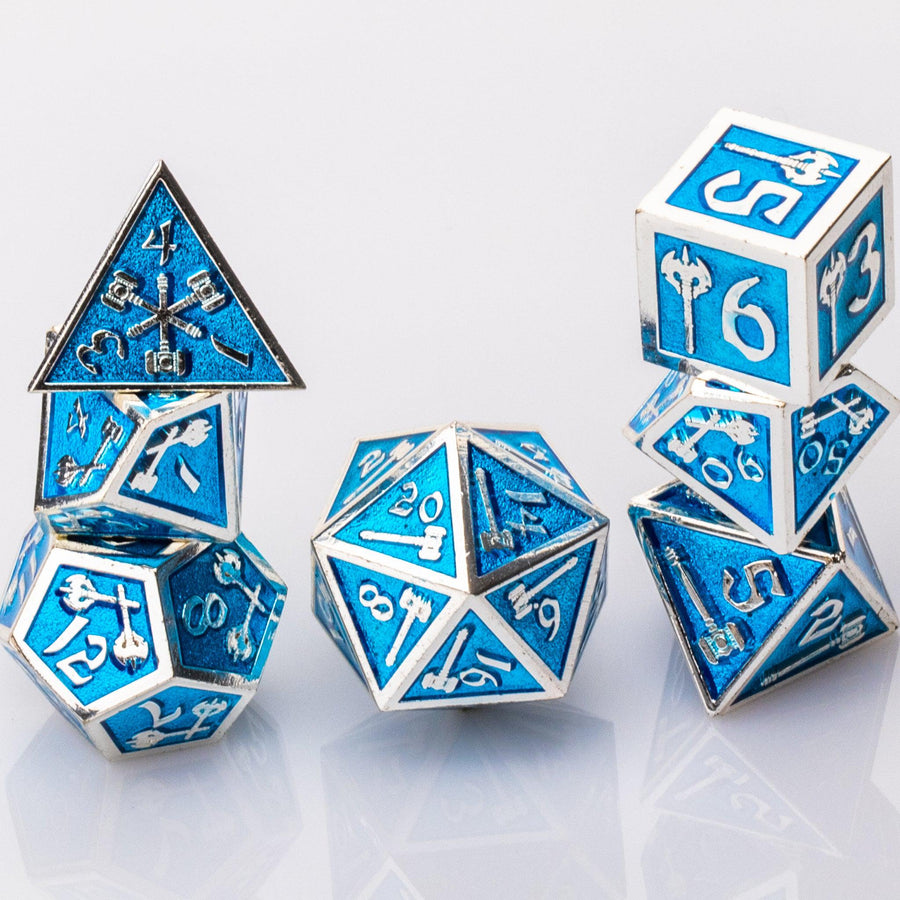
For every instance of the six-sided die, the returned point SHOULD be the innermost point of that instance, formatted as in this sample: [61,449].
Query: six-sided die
[460,567]
[142,644]
[151,464]
[748,618]
[769,465]
[766,254]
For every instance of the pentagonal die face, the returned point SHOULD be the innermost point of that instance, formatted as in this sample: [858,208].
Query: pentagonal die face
[464,572]
[768,465]
[748,618]
[155,465]
[766,254]
[143,645]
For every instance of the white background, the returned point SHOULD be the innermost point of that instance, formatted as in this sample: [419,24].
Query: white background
[431,204]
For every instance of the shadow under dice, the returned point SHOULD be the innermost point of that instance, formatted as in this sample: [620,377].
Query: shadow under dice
[769,465]
[142,644]
[748,618]
[155,465]
[766,254]
[460,567]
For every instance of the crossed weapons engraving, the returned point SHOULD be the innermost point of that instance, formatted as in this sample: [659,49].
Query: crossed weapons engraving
[67,469]
[78,594]
[150,737]
[193,435]
[227,570]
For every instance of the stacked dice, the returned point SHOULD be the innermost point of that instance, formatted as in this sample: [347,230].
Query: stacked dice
[136,604]
[765,258]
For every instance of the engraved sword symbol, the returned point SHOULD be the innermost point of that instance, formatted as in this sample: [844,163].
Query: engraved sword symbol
[859,419]
[416,608]
[150,737]
[520,596]
[718,642]
[442,680]
[78,594]
[495,539]
[67,469]
[429,543]
[740,430]
[227,570]
[806,167]
[690,279]
[193,434]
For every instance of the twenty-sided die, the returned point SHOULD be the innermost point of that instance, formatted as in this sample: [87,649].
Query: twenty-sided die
[748,618]
[142,644]
[460,567]
[766,254]
[769,465]
[152,465]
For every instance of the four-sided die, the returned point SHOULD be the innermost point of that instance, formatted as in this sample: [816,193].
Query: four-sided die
[769,465]
[748,618]
[460,567]
[152,464]
[766,254]
[142,644]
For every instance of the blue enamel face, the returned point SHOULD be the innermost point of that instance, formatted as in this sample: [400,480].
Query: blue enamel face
[512,515]
[667,392]
[727,595]
[722,309]
[163,314]
[177,715]
[542,606]
[390,615]
[86,434]
[472,662]
[181,468]
[826,438]
[411,521]
[850,283]
[535,448]
[730,453]
[92,631]
[32,553]
[371,460]
[761,181]
[838,619]
[225,610]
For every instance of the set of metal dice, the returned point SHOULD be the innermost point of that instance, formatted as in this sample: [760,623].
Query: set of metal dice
[765,258]
[136,604]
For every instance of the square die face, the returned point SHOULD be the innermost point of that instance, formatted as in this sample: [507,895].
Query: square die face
[722,309]
[850,283]
[762,181]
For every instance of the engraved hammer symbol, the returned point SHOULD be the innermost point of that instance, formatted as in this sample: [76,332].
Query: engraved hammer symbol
[78,594]
[443,680]
[494,539]
[193,434]
[860,419]
[227,570]
[429,543]
[416,608]
[67,470]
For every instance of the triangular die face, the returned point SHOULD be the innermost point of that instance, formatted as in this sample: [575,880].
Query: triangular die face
[542,604]
[472,662]
[667,393]
[390,614]
[164,309]
[856,545]
[181,467]
[512,515]
[728,453]
[597,598]
[699,569]
[85,435]
[411,521]
[328,613]
[826,437]
[536,450]
[371,460]
[837,620]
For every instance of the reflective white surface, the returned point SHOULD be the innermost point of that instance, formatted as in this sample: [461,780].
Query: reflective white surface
[431,204]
